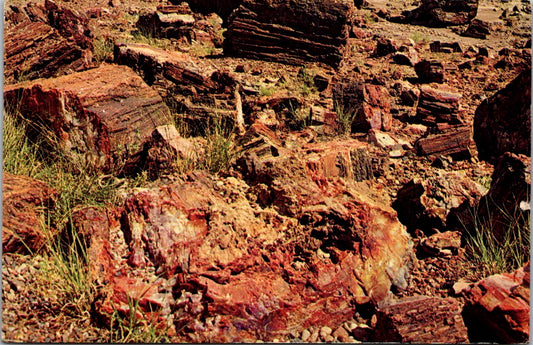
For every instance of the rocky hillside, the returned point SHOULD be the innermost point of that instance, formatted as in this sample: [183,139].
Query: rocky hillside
[266,171]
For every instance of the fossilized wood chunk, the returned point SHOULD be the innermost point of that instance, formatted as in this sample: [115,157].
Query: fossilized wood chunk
[100,118]
[421,319]
[503,122]
[42,42]
[23,217]
[288,31]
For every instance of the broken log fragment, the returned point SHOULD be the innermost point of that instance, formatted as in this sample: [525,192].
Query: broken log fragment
[308,30]
[455,141]
[421,319]
[99,123]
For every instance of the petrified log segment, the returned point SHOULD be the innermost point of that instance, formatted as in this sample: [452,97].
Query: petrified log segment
[477,29]
[45,42]
[497,308]
[430,71]
[92,225]
[23,218]
[503,122]
[168,22]
[366,105]
[421,319]
[98,122]
[443,12]
[197,96]
[438,104]
[455,141]
[288,31]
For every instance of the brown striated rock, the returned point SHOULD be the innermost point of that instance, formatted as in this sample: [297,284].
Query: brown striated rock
[455,141]
[439,103]
[430,71]
[367,104]
[46,41]
[425,204]
[385,46]
[443,244]
[445,47]
[503,122]
[497,308]
[168,22]
[22,216]
[198,97]
[167,149]
[98,122]
[477,29]
[308,30]
[421,319]
[439,13]
[92,225]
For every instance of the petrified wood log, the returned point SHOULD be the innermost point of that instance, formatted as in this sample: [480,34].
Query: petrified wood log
[100,117]
[22,216]
[497,308]
[503,122]
[421,319]
[288,31]
[366,105]
[439,104]
[455,141]
[443,12]
[44,42]
[198,98]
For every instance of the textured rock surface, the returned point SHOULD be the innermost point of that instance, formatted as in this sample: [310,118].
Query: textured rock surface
[197,94]
[503,122]
[455,141]
[221,7]
[98,122]
[45,41]
[497,307]
[439,103]
[22,215]
[502,209]
[294,247]
[421,319]
[425,204]
[443,12]
[308,30]
[368,105]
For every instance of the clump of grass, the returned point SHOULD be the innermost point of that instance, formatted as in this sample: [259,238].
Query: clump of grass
[103,49]
[418,37]
[266,91]
[131,329]
[306,86]
[220,148]
[345,118]
[493,254]
[298,118]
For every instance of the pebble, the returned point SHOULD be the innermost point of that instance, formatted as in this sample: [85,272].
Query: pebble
[314,336]
[325,331]
[305,335]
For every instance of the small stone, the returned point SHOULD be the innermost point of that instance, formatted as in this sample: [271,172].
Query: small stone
[305,335]
[329,339]
[325,331]
[314,336]
[341,334]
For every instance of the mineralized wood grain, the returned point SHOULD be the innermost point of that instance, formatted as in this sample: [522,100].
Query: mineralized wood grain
[288,31]
[455,141]
[421,319]
[23,218]
[101,117]
[42,42]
